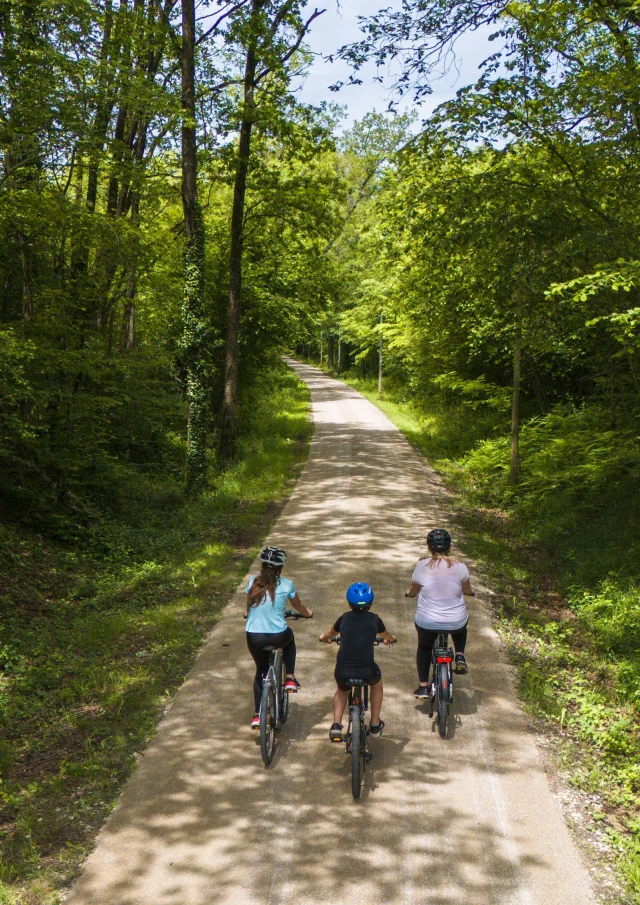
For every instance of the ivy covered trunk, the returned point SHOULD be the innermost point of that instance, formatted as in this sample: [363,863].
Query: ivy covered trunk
[194,332]
[194,354]
[229,426]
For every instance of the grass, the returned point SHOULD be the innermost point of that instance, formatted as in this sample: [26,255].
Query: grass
[96,637]
[562,554]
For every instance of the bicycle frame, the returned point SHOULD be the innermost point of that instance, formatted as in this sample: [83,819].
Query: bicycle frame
[274,677]
[358,697]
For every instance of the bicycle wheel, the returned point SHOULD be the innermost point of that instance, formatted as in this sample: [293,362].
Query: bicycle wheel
[357,728]
[267,723]
[443,698]
[284,697]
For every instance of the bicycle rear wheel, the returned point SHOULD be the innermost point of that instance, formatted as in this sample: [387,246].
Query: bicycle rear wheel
[267,723]
[443,698]
[357,728]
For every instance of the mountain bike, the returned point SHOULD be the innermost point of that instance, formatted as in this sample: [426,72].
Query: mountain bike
[357,732]
[441,687]
[274,703]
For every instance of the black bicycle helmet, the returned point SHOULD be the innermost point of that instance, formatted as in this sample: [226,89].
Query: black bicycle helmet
[439,540]
[273,556]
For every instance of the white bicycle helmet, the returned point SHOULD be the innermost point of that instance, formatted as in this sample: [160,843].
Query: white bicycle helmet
[273,556]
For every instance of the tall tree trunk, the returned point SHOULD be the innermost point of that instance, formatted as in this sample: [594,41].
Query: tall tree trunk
[104,110]
[321,348]
[330,351]
[339,352]
[229,426]
[515,403]
[194,329]
[131,289]
[380,360]
[27,280]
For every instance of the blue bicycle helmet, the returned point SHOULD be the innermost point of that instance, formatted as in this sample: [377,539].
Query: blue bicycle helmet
[360,594]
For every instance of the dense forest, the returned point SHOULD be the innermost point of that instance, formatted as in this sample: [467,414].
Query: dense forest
[173,218]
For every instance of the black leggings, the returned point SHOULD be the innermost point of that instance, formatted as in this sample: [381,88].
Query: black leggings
[426,639]
[256,642]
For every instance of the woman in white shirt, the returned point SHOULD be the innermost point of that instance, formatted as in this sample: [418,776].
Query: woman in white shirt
[440,583]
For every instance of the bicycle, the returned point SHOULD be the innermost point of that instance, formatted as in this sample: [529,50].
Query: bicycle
[274,703]
[357,732]
[441,687]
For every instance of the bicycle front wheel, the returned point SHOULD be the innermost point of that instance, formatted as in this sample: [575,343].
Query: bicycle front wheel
[443,699]
[267,723]
[357,729]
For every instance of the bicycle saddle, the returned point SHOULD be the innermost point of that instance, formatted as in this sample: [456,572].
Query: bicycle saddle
[355,682]
[270,650]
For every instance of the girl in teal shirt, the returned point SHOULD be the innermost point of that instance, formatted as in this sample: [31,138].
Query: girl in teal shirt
[268,596]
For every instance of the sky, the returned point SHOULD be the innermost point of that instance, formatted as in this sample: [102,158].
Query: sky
[338,25]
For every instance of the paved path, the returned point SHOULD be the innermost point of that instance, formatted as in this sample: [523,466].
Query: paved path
[469,819]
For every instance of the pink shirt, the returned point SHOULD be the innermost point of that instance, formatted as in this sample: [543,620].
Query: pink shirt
[440,601]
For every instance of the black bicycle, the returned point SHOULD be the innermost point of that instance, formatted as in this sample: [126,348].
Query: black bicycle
[357,732]
[274,703]
[441,685]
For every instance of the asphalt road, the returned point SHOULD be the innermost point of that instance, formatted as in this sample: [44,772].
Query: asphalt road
[468,819]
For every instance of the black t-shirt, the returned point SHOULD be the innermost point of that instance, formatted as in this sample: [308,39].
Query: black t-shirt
[357,633]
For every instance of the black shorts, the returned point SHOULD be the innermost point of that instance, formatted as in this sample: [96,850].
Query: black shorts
[370,674]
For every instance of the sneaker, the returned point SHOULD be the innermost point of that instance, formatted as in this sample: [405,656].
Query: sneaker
[376,730]
[335,733]
[422,691]
[461,667]
[255,722]
[291,685]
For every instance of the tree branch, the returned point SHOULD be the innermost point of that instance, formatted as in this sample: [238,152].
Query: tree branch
[287,56]
[207,34]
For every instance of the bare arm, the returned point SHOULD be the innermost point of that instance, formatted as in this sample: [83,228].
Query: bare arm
[466,589]
[388,638]
[327,636]
[414,590]
[298,605]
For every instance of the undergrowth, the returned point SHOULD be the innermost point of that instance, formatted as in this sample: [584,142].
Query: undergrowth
[562,553]
[96,635]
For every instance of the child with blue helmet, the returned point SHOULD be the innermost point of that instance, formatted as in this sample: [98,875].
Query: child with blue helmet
[357,629]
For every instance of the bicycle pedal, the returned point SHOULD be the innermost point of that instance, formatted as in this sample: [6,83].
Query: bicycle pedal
[368,757]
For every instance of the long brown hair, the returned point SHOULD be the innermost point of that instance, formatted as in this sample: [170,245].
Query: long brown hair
[264,583]
[437,557]
[434,558]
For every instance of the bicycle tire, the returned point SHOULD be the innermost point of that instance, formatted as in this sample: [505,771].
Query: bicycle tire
[284,697]
[443,699]
[267,723]
[357,728]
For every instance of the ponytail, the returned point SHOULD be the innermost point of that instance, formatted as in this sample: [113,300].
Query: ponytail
[265,583]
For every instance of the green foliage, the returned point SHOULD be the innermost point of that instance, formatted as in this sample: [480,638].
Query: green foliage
[95,641]
[562,554]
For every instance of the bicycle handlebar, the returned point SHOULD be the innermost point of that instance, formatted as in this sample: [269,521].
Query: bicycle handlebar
[377,642]
[289,614]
